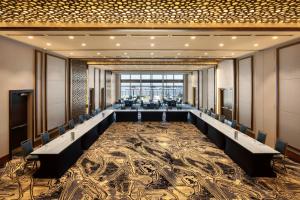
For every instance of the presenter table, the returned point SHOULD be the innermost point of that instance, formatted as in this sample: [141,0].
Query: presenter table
[60,154]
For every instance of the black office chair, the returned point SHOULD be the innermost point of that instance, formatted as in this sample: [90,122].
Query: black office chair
[209,112]
[205,110]
[261,137]
[93,114]
[87,116]
[243,128]
[27,148]
[234,124]
[45,137]
[280,146]
[98,110]
[81,119]
[222,118]
[71,124]
[61,130]
[216,116]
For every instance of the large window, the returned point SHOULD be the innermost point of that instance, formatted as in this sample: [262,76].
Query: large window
[152,86]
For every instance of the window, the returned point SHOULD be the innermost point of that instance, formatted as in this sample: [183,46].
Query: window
[152,86]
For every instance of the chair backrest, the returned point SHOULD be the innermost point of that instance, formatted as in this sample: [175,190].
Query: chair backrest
[216,116]
[228,122]
[261,137]
[71,124]
[280,146]
[233,124]
[45,138]
[87,116]
[208,112]
[243,128]
[61,130]
[26,146]
[222,118]
[81,119]
[97,111]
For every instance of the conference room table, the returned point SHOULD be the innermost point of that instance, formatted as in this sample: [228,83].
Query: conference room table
[60,154]
[57,156]
[251,155]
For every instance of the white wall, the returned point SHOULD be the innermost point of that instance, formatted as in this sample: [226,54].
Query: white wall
[16,72]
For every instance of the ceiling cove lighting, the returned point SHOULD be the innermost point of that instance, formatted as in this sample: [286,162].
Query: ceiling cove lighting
[71,37]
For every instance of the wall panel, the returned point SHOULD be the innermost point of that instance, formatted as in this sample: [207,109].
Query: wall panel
[211,88]
[289,95]
[55,91]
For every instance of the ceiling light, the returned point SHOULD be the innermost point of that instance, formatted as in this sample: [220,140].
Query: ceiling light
[205,53]
[71,37]
[71,53]
[48,44]
[256,45]
[112,37]
[118,44]
[152,38]
[193,37]
[83,44]
[186,44]
[98,53]
[151,53]
[30,37]
[125,53]
[221,45]
[178,54]
[152,44]
[232,53]
[233,37]
[275,37]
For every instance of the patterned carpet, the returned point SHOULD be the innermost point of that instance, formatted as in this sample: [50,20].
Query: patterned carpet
[151,161]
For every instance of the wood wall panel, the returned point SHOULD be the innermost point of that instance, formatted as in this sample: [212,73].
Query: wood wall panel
[39,106]
[211,88]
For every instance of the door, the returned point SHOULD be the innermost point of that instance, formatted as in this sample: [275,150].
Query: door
[20,118]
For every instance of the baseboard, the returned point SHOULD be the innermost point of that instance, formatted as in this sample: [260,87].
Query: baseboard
[293,154]
[4,160]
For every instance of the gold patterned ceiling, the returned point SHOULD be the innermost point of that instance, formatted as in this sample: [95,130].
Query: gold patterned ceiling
[150,13]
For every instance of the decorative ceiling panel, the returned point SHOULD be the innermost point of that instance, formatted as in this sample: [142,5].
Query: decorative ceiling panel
[143,13]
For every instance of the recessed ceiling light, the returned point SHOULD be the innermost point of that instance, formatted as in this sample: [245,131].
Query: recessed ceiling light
[178,54]
[221,45]
[125,53]
[98,53]
[71,53]
[152,38]
[186,44]
[152,44]
[233,37]
[151,53]
[118,44]
[193,37]
[45,48]
[275,37]
[71,37]
[205,53]
[256,45]
[30,37]
[83,44]
[112,37]
[232,53]
[48,44]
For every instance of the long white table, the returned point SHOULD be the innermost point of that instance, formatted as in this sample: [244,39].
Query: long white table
[59,154]
[251,155]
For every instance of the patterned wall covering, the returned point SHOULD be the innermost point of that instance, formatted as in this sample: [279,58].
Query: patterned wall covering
[208,12]
[108,88]
[79,87]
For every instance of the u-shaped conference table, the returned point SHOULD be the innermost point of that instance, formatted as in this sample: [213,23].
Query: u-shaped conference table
[60,154]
